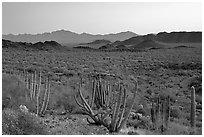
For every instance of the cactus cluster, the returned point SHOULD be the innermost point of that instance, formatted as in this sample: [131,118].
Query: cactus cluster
[106,106]
[35,88]
[37,94]
[160,113]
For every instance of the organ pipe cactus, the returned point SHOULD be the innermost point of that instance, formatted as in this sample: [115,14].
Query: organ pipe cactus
[45,97]
[160,113]
[167,111]
[193,107]
[34,84]
[117,109]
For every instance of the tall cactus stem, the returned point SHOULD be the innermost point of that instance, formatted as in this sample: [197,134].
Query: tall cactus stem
[117,108]
[34,84]
[123,108]
[193,107]
[38,93]
[131,106]
[31,87]
[48,95]
[93,92]
[44,97]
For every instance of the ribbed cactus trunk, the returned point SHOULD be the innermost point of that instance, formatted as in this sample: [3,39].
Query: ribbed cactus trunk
[163,113]
[48,95]
[160,113]
[34,84]
[167,115]
[157,112]
[93,92]
[31,87]
[45,97]
[38,94]
[153,117]
[193,108]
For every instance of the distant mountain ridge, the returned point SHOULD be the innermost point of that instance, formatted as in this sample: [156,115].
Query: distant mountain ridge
[67,37]
[45,46]
[172,37]
[101,41]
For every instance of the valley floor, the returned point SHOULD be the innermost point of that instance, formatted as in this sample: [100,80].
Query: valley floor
[162,71]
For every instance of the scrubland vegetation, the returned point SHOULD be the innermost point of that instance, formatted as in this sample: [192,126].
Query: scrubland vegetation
[149,92]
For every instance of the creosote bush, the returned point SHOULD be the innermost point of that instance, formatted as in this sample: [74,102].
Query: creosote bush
[15,122]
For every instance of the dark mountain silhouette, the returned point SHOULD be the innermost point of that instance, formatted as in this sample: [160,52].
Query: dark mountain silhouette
[11,44]
[173,37]
[116,43]
[179,37]
[67,37]
[106,47]
[147,44]
[121,47]
[102,41]
[47,45]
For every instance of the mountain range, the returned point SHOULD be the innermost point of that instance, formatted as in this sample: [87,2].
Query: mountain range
[123,40]
[160,40]
[67,37]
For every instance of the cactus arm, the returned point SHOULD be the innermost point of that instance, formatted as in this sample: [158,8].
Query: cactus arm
[130,108]
[44,98]
[38,93]
[48,96]
[93,93]
[107,94]
[34,85]
[117,107]
[110,96]
[168,111]
[85,102]
[114,113]
[80,105]
[31,89]
[153,113]
[123,109]
[87,119]
[99,93]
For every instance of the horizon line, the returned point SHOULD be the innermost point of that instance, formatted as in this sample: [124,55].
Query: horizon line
[102,34]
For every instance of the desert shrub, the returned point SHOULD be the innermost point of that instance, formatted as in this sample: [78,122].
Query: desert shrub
[67,102]
[175,113]
[133,123]
[199,124]
[184,66]
[182,121]
[197,83]
[143,122]
[141,111]
[13,93]
[62,97]
[199,106]
[199,99]
[15,122]
[178,129]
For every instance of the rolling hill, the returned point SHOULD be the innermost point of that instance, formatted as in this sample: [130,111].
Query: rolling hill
[46,46]
[173,37]
[148,44]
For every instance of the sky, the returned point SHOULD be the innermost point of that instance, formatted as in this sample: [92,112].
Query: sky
[100,17]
